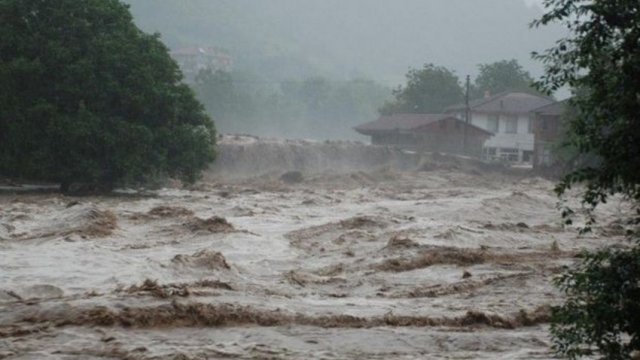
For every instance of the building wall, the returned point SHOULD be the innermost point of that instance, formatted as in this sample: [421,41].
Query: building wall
[449,136]
[547,132]
[516,147]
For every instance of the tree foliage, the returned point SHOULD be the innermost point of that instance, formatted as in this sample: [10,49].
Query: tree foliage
[428,90]
[501,76]
[603,306]
[315,107]
[601,58]
[85,96]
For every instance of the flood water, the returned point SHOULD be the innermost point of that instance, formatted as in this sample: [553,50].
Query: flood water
[443,260]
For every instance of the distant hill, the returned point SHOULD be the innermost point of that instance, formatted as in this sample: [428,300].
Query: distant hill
[379,39]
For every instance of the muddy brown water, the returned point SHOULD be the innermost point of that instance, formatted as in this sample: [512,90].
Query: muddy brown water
[361,265]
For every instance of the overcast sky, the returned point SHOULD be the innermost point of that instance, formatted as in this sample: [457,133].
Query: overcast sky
[534,2]
[341,39]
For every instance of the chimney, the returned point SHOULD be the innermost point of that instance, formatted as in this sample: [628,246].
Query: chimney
[487,94]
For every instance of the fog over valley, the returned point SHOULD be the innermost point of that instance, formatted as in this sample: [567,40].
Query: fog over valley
[378,39]
[316,69]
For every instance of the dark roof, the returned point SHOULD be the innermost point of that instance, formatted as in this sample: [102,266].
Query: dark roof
[554,109]
[401,122]
[507,102]
[406,122]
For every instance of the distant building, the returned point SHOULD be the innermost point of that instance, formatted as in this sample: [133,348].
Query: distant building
[548,131]
[193,59]
[426,132]
[508,117]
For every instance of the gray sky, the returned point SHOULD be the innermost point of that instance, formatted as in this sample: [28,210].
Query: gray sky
[534,2]
[341,39]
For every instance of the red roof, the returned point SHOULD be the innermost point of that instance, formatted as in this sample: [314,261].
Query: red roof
[404,122]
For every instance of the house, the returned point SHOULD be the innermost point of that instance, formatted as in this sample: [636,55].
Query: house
[426,132]
[548,131]
[508,117]
[193,59]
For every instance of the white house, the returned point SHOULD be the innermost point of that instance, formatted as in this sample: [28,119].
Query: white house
[508,116]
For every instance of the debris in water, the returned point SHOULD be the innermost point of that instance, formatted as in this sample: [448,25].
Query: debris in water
[402,242]
[178,315]
[101,223]
[303,278]
[213,224]
[292,177]
[435,256]
[515,227]
[359,222]
[169,211]
[208,259]
[153,288]
[84,221]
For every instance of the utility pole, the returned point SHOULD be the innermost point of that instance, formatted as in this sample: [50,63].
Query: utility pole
[467,113]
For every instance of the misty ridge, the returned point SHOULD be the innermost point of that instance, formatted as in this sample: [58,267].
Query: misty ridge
[315,69]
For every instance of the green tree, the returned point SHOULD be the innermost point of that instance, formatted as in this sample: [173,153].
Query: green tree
[601,57]
[85,96]
[216,90]
[501,76]
[429,90]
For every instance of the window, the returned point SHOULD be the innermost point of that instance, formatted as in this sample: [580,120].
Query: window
[512,125]
[510,155]
[493,123]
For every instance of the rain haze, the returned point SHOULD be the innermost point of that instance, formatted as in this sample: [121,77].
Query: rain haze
[324,46]
[284,179]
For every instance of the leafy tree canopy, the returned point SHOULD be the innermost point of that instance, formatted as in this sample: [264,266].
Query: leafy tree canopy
[501,76]
[601,58]
[428,90]
[85,96]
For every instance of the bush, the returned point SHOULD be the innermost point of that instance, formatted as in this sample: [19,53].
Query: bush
[602,309]
[600,61]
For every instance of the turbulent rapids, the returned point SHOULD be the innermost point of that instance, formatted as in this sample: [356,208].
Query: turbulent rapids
[292,250]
